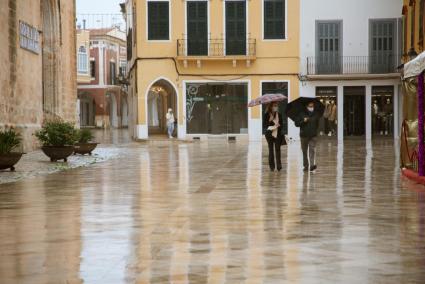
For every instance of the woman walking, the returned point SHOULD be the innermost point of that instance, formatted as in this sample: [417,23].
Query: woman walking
[272,126]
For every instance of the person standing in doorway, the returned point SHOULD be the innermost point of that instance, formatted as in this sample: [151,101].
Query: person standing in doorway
[170,122]
[272,126]
[308,122]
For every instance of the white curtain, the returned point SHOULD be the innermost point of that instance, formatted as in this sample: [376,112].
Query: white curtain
[153,115]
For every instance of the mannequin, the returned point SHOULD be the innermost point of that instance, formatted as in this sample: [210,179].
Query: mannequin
[388,113]
[375,119]
[326,115]
[333,115]
[322,125]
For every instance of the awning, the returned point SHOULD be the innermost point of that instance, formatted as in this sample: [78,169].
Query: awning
[415,67]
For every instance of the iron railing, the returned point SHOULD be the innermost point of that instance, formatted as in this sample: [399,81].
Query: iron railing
[216,47]
[331,65]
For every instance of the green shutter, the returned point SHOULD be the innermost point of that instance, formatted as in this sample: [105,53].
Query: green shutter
[197,28]
[274,19]
[236,27]
[158,20]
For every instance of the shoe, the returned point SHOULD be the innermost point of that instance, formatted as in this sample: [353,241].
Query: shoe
[313,168]
[279,169]
[305,169]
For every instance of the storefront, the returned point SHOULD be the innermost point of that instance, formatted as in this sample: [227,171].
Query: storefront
[328,123]
[216,108]
[382,110]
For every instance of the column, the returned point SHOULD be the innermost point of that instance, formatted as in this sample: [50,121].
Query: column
[368,112]
[340,113]
[396,125]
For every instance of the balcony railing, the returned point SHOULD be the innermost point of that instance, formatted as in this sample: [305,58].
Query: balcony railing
[333,65]
[216,48]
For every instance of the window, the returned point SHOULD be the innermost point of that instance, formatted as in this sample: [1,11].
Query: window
[274,19]
[112,73]
[158,20]
[82,60]
[216,108]
[93,69]
[123,68]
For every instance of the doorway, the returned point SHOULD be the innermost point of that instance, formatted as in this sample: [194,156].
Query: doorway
[354,111]
[161,97]
[328,122]
[277,88]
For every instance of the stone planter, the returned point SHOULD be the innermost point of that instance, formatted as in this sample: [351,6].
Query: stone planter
[9,160]
[56,153]
[84,148]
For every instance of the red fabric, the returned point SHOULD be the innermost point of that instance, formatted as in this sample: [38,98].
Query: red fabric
[412,175]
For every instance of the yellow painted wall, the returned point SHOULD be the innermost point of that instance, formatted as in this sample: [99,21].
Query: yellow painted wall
[419,47]
[276,60]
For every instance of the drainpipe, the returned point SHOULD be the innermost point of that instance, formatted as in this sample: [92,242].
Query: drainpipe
[421,150]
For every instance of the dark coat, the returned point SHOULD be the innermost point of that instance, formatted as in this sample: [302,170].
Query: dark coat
[267,124]
[309,128]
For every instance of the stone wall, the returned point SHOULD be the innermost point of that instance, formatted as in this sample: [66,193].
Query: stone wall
[21,70]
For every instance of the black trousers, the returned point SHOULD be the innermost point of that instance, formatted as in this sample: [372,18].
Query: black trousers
[274,147]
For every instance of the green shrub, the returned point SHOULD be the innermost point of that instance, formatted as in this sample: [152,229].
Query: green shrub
[57,133]
[85,136]
[9,140]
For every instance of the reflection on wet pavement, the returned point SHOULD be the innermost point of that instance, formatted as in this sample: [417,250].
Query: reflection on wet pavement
[213,213]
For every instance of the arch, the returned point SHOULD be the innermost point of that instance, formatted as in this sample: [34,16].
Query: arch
[50,56]
[171,87]
[87,110]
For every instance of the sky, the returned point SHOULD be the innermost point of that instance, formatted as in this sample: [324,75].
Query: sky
[99,13]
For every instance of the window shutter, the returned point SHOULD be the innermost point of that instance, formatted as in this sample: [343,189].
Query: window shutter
[158,20]
[274,19]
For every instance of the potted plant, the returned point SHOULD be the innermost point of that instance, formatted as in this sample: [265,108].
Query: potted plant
[85,144]
[58,139]
[9,141]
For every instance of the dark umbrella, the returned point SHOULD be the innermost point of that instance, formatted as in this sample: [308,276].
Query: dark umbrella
[298,106]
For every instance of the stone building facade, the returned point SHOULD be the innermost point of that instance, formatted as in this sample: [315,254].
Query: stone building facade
[38,65]
[101,62]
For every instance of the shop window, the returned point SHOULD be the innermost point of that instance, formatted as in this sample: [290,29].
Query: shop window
[158,20]
[329,120]
[217,108]
[382,110]
[274,19]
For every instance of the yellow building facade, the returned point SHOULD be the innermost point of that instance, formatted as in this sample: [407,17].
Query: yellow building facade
[413,28]
[206,60]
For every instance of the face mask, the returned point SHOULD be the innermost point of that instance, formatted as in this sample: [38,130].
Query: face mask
[310,109]
[275,109]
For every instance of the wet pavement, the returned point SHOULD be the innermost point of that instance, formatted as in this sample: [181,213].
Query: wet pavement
[211,212]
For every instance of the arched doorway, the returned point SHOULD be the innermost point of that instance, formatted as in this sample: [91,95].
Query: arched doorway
[87,110]
[50,54]
[161,96]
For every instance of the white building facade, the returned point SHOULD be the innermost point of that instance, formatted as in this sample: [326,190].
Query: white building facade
[350,51]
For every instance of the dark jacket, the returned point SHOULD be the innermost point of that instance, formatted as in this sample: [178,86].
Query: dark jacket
[267,124]
[309,128]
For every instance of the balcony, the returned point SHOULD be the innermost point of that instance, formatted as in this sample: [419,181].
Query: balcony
[353,66]
[216,49]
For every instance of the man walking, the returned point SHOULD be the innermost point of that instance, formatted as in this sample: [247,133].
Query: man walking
[308,122]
